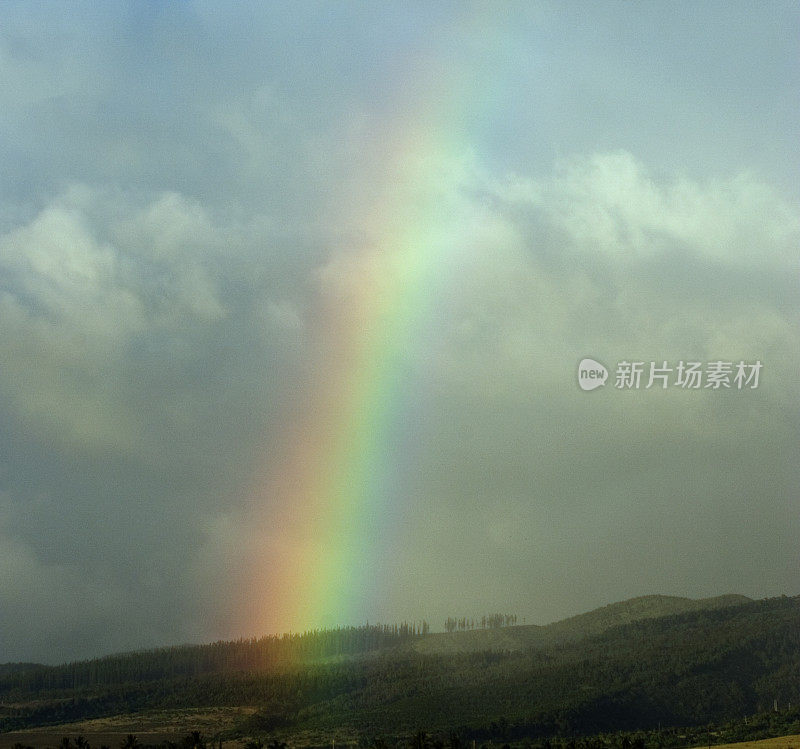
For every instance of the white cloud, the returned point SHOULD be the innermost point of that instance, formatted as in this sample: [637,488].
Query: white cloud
[80,289]
[608,202]
[600,257]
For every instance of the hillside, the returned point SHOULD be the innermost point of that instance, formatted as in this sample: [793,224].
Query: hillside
[593,622]
[10,668]
[635,609]
[714,661]
[265,653]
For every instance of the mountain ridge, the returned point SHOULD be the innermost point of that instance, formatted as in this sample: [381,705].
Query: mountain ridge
[594,621]
[714,660]
[506,638]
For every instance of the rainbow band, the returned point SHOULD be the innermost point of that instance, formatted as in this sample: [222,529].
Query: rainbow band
[333,495]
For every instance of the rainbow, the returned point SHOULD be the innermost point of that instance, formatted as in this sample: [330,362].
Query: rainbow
[331,497]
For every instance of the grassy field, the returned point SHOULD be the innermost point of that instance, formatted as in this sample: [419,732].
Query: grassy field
[164,726]
[150,728]
[782,742]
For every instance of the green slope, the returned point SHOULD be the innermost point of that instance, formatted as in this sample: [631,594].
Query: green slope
[622,667]
[576,627]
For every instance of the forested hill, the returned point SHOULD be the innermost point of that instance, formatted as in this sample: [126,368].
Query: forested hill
[256,655]
[276,652]
[635,609]
[574,628]
[707,664]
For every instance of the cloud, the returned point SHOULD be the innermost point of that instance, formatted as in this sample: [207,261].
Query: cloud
[609,203]
[608,256]
[146,343]
[600,258]
[153,348]
[202,203]
[82,291]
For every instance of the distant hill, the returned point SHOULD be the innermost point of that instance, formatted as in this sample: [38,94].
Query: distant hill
[10,668]
[266,652]
[513,639]
[632,666]
[636,609]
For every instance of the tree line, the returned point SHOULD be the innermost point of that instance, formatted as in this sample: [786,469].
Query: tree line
[492,621]
[244,655]
[680,670]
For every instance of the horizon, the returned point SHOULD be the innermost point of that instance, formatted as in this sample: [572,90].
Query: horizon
[314,313]
[415,622]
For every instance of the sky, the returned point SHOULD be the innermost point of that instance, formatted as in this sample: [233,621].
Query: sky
[293,298]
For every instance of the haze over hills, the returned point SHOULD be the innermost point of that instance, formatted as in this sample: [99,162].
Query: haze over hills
[572,628]
[504,638]
[294,296]
[635,665]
